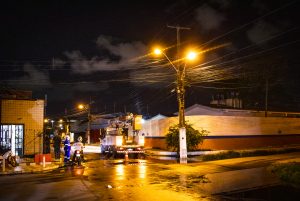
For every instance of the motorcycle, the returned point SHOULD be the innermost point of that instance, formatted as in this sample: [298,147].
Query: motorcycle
[10,159]
[78,157]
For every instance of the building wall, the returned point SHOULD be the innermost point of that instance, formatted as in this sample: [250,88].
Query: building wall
[233,142]
[31,114]
[230,132]
[229,102]
[155,142]
[246,142]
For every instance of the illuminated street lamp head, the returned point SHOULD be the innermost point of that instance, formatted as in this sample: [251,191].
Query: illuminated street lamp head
[191,56]
[157,51]
[80,106]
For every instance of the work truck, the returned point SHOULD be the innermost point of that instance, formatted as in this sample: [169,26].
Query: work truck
[122,138]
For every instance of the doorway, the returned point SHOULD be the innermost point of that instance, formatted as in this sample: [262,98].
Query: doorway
[12,138]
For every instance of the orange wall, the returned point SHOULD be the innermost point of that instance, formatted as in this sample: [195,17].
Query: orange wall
[230,143]
[155,143]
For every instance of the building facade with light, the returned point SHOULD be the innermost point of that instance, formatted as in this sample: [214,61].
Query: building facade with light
[21,126]
[230,128]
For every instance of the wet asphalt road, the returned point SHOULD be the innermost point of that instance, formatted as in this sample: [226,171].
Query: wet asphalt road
[104,180]
[134,180]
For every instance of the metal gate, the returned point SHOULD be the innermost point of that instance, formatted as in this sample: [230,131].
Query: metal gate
[12,138]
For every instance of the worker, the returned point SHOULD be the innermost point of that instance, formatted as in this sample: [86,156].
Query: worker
[67,149]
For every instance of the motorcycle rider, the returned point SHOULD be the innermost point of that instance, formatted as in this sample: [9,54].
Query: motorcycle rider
[78,146]
[67,149]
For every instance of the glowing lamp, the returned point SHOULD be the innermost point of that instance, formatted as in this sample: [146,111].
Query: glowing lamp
[191,56]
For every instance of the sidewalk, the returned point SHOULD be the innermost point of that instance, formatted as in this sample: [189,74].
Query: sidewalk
[30,167]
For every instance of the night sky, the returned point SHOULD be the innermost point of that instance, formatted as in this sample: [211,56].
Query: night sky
[76,51]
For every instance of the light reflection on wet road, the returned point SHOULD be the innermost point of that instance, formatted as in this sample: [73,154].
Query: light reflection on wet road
[138,180]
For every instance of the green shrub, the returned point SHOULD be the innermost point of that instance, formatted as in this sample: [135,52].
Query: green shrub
[237,154]
[288,172]
[193,137]
[221,155]
[256,153]
[266,152]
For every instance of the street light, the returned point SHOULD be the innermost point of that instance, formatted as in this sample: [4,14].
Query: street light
[87,107]
[52,121]
[180,72]
[81,106]
[191,55]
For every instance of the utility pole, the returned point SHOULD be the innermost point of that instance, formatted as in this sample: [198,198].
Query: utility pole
[89,125]
[180,78]
[44,128]
[266,96]
[180,96]
[88,132]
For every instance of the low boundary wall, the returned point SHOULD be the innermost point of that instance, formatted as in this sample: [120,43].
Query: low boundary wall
[233,142]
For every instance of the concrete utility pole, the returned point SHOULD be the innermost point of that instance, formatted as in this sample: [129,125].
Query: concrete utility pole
[180,96]
[88,132]
[266,96]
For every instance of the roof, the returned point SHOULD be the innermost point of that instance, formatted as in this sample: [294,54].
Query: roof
[157,117]
[198,109]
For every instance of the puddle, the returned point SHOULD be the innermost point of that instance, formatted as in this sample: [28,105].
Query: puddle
[125,162]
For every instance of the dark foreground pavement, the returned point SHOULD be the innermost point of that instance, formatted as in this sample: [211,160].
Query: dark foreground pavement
[144,180]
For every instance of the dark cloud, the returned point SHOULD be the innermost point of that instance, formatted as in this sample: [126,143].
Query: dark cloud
[261,31]
[82,65]
[33,78]
[209,18]
[127,52]
[58,63]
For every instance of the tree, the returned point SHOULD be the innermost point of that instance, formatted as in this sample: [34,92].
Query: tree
[193,137]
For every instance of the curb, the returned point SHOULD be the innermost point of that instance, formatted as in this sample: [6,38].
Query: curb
[169,153]
[31,171]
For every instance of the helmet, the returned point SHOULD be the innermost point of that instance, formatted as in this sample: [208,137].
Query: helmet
[79,139]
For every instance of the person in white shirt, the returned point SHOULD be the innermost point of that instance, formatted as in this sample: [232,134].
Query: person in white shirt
[78,146]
